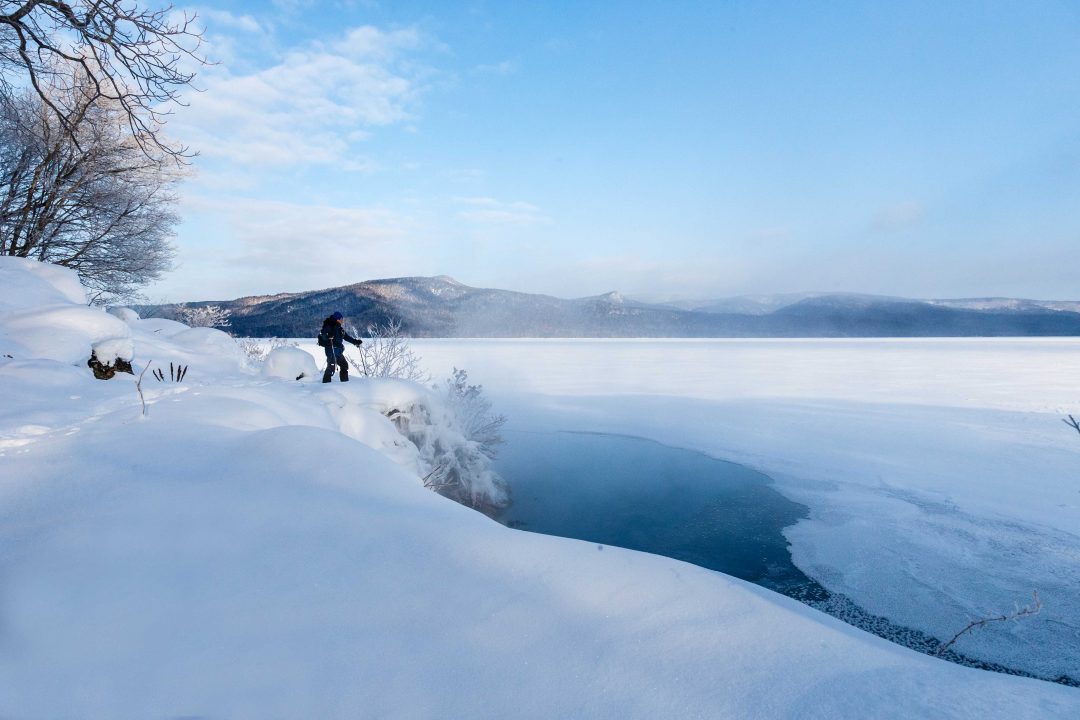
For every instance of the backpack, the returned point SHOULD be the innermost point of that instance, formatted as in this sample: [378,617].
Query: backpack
[324,339]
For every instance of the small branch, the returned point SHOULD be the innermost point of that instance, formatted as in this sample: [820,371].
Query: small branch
[138,386]
[1072,422]
[1020,612]
[433,485]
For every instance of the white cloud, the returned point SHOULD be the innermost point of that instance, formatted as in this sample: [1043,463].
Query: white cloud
[368,42]
[313,107]
[226,19]
[489,211]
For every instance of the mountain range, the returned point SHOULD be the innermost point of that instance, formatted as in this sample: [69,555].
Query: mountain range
[442,307]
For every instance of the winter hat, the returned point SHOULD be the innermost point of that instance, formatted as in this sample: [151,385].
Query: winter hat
[337,315]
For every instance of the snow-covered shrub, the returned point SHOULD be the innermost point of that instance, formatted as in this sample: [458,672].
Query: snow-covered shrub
[386,353]
[473,412]
[453,428]
[454,466]
[440,453]
[258,349]
[212,316]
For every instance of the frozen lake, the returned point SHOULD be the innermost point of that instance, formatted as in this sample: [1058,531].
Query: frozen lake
[939,482]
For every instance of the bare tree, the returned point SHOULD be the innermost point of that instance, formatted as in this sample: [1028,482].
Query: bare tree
[135,58]
[84,195]
[386,353]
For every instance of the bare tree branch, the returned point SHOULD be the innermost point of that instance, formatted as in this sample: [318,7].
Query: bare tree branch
[135,57]
[1020,612]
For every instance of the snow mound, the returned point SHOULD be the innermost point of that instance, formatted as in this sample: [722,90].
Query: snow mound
[29,283]
[290,363]
[64,333]
[124,313]
[160,326]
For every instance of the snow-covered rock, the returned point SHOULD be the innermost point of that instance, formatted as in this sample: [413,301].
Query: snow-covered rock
[290,363]
[121,348]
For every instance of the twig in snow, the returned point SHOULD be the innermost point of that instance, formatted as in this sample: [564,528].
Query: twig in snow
[138,386]
[1072,422]
[1018,613]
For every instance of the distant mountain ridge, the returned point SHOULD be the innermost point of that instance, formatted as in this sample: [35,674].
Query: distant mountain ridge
[443,307]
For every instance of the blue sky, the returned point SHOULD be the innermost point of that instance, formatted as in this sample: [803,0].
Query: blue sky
[663,149]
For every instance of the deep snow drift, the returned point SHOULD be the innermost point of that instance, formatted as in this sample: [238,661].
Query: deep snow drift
[257,546]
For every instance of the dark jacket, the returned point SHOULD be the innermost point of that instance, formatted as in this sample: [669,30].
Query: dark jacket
[335,333]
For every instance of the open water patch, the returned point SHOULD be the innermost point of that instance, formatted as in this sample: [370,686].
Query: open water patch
[639,494]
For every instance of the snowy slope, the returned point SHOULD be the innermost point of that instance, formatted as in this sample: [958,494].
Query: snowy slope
[259,547]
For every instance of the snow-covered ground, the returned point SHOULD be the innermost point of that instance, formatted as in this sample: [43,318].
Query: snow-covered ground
[256,546]
[942,484]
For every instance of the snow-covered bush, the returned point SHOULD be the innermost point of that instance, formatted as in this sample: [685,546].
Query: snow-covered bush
[258,349]
[473,412]
[386,353]
[454,466]
[212,316]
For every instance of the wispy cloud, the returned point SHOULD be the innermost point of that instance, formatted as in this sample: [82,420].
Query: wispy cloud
[489,211]
[220,19]
[312,107]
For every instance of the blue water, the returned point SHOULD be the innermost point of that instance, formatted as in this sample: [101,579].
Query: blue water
[638,494]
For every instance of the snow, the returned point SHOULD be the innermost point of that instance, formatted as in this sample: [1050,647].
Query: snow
[257,547]
[64,333]
[28,284]
[124,313]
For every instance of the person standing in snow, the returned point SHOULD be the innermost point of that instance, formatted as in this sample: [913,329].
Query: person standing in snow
[332,338]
